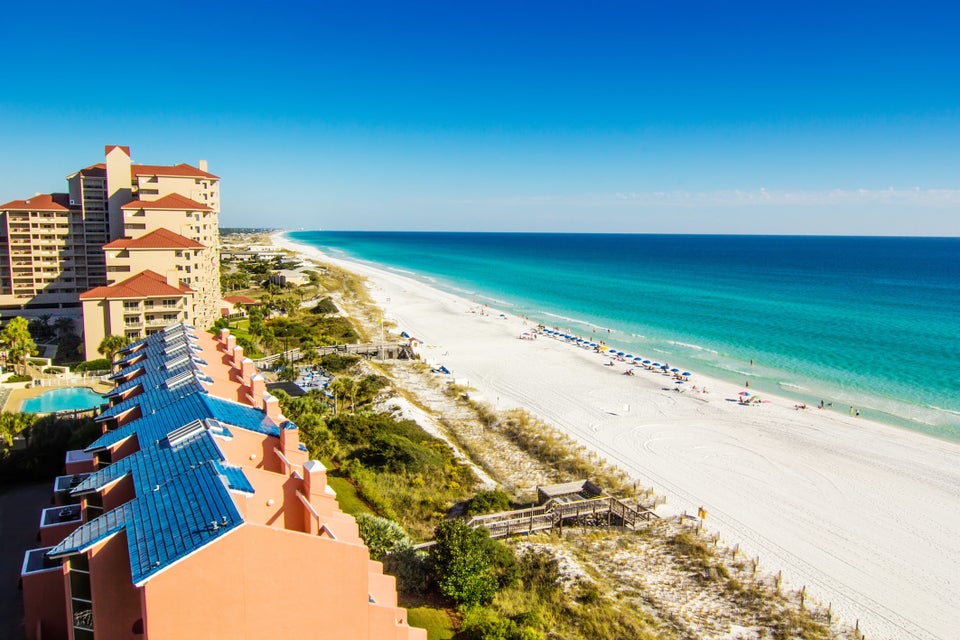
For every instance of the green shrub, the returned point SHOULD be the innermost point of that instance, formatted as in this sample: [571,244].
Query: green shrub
[396,453]
[462,563]
[324,307]
[486,624]
[338,363]
[19,377]
[412,570]
[487,502]
[100,364]
[381,536]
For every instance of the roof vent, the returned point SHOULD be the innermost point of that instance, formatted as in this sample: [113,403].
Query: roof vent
[179,379]
[180,434]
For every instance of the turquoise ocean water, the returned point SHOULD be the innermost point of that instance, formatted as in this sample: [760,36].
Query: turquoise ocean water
[866,322]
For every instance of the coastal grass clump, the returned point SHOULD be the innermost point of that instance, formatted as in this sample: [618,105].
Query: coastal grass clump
[561,452]
[556,597]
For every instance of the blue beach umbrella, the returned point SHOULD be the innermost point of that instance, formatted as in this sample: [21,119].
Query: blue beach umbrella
[629,355]
[619,353]
[686,373]
[664,367]
[646,362]
[656,364]
[675,370]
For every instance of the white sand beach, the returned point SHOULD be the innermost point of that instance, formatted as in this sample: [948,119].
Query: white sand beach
[863,514]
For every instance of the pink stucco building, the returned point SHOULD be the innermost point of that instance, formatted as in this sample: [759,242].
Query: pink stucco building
[197,514]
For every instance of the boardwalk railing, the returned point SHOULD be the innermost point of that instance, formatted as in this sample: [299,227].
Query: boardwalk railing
[553,514]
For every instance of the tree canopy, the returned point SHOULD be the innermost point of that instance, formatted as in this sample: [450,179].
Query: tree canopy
[110,345]
[18,342]
[462,563]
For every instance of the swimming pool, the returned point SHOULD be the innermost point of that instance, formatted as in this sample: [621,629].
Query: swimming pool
[74,398]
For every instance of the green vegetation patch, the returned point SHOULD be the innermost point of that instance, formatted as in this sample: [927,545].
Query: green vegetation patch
[436,621]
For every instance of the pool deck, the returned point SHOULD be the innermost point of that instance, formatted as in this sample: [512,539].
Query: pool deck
[14,400]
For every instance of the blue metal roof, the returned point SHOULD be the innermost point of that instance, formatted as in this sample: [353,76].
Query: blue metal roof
[153,427]
[234,476]
[181,479]
[153,465]
[92,532]
[152,400]
[165,525]
[155,347]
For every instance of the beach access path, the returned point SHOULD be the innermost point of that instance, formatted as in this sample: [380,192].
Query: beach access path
[863,514]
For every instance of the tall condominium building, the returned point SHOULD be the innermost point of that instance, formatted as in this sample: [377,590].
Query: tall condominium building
[117,221]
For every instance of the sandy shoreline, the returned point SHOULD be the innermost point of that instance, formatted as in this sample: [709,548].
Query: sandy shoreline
[864,514]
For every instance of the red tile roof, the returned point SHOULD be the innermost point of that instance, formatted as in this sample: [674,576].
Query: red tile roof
[110,147]
[177,170]
[158,239]
[170,201]
[146,284]
[41,202]
[239,300]
[94,171]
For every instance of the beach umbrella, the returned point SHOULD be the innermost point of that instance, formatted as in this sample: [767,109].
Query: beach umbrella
[664,367]
[744,393]
[686,373]
[619,353]
[593,344]
[656,364]
[675,370]
[629,355]
[646,362]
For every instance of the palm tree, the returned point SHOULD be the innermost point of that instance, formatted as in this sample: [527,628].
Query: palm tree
[110,345]
[338,387]
[63,325]
[18,342]
[353,386]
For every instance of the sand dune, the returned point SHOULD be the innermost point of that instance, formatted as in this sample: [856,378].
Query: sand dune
[865,515]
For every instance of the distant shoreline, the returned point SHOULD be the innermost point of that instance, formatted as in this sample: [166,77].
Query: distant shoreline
[802,381]
[859,513]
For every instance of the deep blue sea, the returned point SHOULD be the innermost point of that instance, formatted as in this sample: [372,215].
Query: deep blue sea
[867,322]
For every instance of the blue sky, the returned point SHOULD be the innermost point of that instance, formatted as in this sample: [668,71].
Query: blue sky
[603,116]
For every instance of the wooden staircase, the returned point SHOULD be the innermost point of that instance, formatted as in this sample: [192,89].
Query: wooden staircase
[554,513]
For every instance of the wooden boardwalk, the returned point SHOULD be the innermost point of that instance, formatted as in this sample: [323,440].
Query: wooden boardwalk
[555,513]
[386,351]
